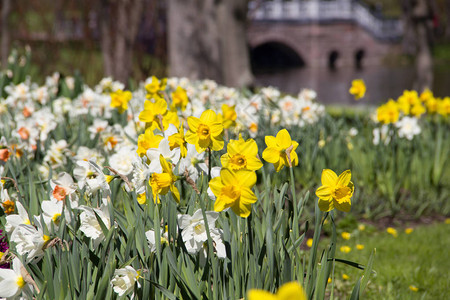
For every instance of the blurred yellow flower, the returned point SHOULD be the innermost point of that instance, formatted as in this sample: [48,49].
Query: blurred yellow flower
[345,235]
[345,277]
[361,227]
[329,280]
[335,191]
[241,155]
[278,149]
[205,132]
[309,243]
[443,107]
[120,99]
[359,246]
[447,221]
[233,189]
[408,230]
[141,198]
[8,206]
[148,140]
[177,140]
[155,86]
[345,249]
[417,110]
[426,95]
[388,112]
[179,99]
[288,291]
[392,231]
[228,116]
[358,89]
[153,113]
[413,288]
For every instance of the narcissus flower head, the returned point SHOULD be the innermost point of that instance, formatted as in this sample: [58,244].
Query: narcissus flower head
[161,183]
[241,155]
[335,191]
[288,291]
[233,189]
[358,89]
[120,99]
[205,132]
[280,150]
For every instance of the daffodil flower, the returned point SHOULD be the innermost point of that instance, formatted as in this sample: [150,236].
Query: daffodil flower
[335,191]
[11,281]
[161,183]
[241,155]
[205,132]
[358,89]
[278,149]
[120,99]
[233,189]
[290,290]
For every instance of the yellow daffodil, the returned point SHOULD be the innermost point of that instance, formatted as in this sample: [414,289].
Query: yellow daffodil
[346,235]
[153,113]
[335,191]
[233,189]
[409,230]
[359,246]
[161,183]
[142,198]
[179,99]
[443,107]
[177,141]
[417,110]
[407,100]
[392,231]
[288,291]
[148,140]
[361,227]
[277,149]
[388,113]
[309,242]
[345,277]
[120,99]
[432,105]
[413,288]
[426,95]
[358,89]
[228,116]
[205,132]
[345,249]
[241,155]
[154,87]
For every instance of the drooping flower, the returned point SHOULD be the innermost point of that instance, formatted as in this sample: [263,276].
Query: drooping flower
[161,183]
[179,99]
[228,116]
[233,189]
[177,140]
[358,89]
[288,291]
[278,149]
[205,132]
[335,191]
[90,225]
[124,280]
[241,155]
[164,150]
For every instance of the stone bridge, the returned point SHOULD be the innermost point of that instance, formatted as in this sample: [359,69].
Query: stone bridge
[321,33]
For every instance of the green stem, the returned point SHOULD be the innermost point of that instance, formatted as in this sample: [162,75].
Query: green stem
[294,203]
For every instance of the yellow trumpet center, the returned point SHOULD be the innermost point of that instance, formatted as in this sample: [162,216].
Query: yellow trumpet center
[203,131]
[20,282]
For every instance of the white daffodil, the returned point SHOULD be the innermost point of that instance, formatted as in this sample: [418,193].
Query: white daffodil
[30,241]
[190,162]
[12,282]
[13,221]
[51,212]
[122,160]
[141,173]
[150,235]
[164,150]
[90,225]
[63,186]
[89,174]
[408,127]
[124,280]
[56,154]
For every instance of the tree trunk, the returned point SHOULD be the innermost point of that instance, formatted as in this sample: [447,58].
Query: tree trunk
[6,9]
[207,40]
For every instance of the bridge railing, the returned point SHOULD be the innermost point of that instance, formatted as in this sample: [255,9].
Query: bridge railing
[323,11]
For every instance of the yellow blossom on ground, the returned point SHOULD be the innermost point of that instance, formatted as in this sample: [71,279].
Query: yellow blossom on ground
[407,100]
[161,183]
[120,99]
[426,95]
[361,227]
[345,249]
[329,280]
[345,277]
[155,86]
[392,231]
[417,110]
[345,235]
[179,99]
[413,288]
[358,89]
[205,132]
[233,189]
[408,230]
[228,116]
[241,155]
[335,191]
[359,246]
[443,107]
[277,149]
[309,243]
[432,105]
[288,291]
[177,140]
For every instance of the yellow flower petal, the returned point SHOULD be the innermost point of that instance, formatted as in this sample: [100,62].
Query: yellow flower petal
[325,205]
[290,291]
[271,155]
[344,178]
[329,178]
[260,295]
[284,139]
